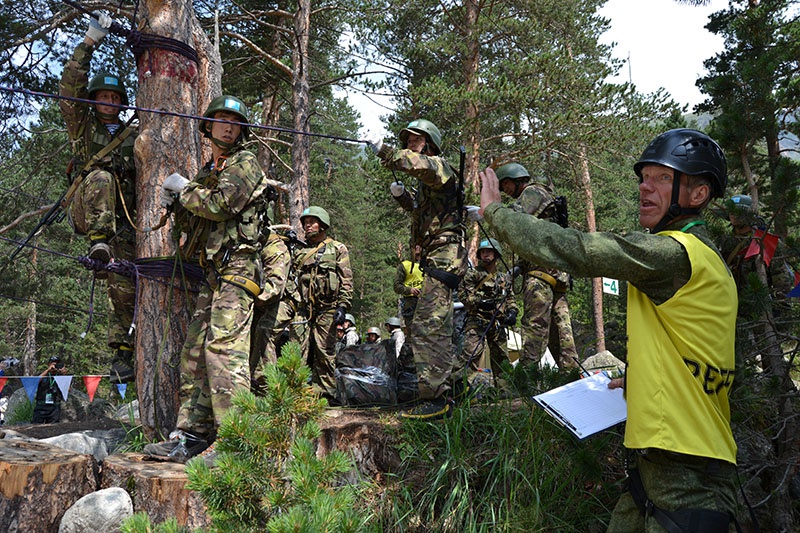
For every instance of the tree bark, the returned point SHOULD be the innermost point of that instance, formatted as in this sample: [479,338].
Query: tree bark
[167,80]
[301,99]
[39,483]
[156,488]
[591,225]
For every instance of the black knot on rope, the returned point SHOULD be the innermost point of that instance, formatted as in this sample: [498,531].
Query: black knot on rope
[92,264]
[140,42]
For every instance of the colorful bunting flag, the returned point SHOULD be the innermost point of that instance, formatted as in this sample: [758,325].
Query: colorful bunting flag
[31,383]
[63,383]
[91,383]
[121,388]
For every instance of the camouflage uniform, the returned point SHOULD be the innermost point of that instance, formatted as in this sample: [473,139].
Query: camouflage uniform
[276,259]
[96,209]
[436,227]
[325,282]
[488,298]
[404,281]
[545,319]
[658,267]
[215,361]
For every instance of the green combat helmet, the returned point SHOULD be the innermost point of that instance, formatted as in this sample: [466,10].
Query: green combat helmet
[105,81]
[490,244]
[424,127]
[350,318]
[739,204]
[228,103]
[315,211]
[515,171]
[393,321]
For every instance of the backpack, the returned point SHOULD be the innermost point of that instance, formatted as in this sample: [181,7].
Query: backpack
[366,374]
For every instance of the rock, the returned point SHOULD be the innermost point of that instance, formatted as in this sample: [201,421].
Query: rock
[103,510]
[128,413]
[96,443]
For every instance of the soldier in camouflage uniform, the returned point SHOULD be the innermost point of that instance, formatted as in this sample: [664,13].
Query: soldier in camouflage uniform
[325,283]
[436,226]
[103,187]
[227,203]
[489,298]
[373,335]
[351,336]
[681,325]
[276,261]
[545,318]
[737,250]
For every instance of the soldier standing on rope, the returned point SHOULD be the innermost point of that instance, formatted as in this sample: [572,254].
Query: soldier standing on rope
[227,204]
[437,228]
[545,317]
[101,200]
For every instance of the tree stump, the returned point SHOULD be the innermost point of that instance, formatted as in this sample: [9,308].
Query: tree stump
[157,488]
[39,482]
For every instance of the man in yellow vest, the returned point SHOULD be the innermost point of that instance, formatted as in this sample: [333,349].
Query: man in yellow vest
[681,321]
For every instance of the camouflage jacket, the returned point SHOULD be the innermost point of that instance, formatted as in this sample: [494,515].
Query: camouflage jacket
[276,260]
[655,264]
[87,134]
[435,205]
[225,202]
[537,201]
[481,286]
[324,276]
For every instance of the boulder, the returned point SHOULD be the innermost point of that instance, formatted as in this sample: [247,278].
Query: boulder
[103,510]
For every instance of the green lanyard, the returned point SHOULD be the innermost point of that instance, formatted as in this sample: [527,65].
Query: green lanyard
[693,224]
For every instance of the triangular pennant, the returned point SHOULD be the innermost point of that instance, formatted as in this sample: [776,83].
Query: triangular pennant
[91,383]
[794,293]
[31,383]
[121,388]
[2,383]
[63,383]
[753,249]
[768,242]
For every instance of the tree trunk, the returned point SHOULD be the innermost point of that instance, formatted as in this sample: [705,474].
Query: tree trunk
[591,225]
[301,100]
[39,483]
[471,65]
[167,80]
[156,488]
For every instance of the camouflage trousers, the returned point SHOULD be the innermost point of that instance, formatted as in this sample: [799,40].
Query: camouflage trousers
[320,349]
[546,322]
[215,360]
[675,481]
[475,343]
[121,295]
[93,210]
[263,351]
[430,334]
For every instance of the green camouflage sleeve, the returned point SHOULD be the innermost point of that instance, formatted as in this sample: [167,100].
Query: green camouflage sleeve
[653,263]
[471,280]
[533,200]
[73,83]
[345,296]
[399,281]
[504,280]
[276,260]
[237,184]
[433,171]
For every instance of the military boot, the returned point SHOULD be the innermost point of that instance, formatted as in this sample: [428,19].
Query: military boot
[180,447]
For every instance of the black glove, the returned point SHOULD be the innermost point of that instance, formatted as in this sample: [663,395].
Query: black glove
[486,305]
[338,316]
[516,271]
[511,318]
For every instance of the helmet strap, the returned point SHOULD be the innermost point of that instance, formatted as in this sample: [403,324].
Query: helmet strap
[675,210]
[106,116]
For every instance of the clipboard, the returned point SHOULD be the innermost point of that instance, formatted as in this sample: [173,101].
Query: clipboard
[586,406]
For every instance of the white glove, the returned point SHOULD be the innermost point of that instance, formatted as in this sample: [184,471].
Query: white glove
[98,27]
[375,141]
[397,189]
[473,214]
[171,188]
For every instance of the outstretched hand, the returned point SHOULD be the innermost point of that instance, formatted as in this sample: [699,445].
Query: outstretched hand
[98,27]
[490,189]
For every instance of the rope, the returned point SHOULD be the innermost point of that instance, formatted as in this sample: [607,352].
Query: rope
[164,112]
